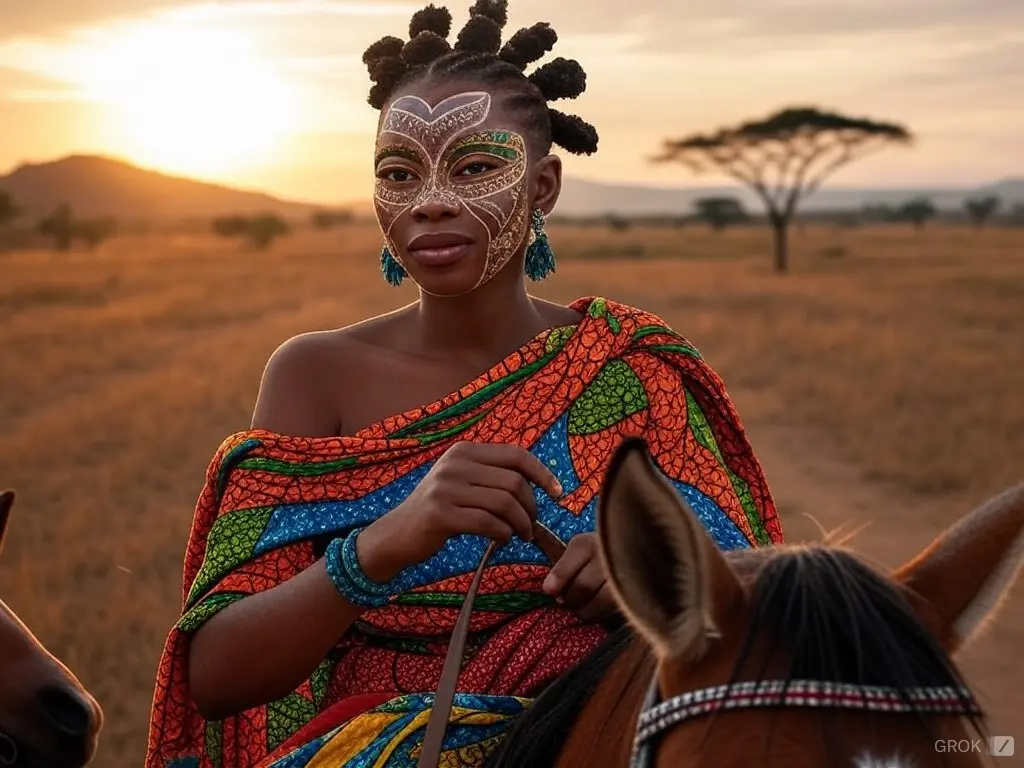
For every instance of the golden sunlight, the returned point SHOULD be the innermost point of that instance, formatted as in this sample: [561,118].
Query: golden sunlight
[189,100]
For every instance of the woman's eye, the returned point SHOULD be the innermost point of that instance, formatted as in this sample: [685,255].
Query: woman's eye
[398,175]
[473,169]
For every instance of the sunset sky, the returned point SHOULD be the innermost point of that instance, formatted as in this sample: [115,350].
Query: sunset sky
[271,94]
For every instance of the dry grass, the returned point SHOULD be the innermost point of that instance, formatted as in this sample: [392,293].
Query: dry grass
[124,370]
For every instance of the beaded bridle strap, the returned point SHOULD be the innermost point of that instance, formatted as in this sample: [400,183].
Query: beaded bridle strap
[656,718]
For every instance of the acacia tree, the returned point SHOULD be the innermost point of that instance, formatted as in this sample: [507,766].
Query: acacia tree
[981,209]
[784,157]
[918,211]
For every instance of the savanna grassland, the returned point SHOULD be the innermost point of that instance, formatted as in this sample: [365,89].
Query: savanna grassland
[882,381]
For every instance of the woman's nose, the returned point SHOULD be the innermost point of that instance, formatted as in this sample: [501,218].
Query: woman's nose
[435,205]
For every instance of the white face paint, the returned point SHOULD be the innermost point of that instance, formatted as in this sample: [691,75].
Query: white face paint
[426,154]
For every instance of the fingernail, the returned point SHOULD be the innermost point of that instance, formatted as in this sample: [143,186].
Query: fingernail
[559,490]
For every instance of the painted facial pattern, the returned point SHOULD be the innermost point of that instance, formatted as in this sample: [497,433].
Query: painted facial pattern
[436,141]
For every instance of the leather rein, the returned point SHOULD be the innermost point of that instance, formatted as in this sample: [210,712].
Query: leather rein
[433,740]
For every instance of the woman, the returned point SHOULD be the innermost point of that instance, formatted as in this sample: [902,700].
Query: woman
[333,543]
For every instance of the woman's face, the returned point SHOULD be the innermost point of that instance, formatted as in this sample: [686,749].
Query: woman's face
[452,191]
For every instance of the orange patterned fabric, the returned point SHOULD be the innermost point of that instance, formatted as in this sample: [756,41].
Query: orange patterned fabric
[272,502]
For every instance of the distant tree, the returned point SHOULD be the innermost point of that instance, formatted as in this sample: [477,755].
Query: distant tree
[981,209]
[720,212]
[325,219]
[918,211]
[879,212]
[265,229]
[231,226]
[8,210]
[94,232]
[60,226]
[784,157]
[617,223]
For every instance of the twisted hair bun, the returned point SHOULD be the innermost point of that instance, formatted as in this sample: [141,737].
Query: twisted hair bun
[573,134]
[431,19]
[480,35]
[478,54]
[529,45]
[560,79]
[386,46]
[426,47]
[495,10]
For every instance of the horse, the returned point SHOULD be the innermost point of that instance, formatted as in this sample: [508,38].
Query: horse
[780,656]
[47,718]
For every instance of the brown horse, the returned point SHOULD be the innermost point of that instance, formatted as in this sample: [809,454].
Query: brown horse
[47,720]
[786,656]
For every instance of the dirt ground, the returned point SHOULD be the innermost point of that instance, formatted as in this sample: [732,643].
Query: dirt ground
[881,381]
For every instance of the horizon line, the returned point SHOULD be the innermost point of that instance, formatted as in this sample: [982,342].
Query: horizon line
[242,189]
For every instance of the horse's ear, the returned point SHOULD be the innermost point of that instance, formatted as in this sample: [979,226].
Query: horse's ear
[967,571]
[6,503]
[668,576]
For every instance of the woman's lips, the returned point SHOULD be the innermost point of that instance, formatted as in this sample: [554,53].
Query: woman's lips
[439,249]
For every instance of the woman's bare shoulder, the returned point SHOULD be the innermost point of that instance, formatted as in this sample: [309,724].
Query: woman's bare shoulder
[299,391]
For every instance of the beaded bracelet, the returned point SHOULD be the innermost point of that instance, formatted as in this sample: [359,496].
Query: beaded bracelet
[343,567]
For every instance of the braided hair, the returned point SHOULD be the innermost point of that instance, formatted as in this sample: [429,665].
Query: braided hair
[478,54]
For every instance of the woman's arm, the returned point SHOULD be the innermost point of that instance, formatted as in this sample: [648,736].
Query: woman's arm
[263,646]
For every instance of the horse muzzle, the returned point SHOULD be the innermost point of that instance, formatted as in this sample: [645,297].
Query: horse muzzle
[57,728]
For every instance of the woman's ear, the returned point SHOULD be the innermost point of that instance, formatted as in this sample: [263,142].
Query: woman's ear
[548,183]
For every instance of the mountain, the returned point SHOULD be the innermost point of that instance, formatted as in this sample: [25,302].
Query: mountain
[100,186]
[590,198]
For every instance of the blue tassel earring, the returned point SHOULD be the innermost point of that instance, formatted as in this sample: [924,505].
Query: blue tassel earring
[393,272]
[540,259]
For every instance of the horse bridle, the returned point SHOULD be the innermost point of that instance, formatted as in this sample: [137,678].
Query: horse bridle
[657,717]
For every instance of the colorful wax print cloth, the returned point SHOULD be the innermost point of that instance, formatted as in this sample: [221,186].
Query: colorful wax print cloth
[271,503]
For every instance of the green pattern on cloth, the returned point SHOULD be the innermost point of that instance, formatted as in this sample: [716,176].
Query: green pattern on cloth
[702,431]
[616,394]
[215,738]
[232,540]
[285,716]
[297,469]
[196,617]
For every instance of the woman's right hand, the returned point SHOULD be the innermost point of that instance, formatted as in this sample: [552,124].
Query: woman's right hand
[475,488]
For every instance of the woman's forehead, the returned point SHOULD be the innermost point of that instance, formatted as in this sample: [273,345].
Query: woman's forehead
[430,117]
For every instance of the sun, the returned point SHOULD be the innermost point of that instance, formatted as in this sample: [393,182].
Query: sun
[189,100]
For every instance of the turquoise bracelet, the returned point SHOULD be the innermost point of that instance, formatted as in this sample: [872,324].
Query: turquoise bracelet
[348,577]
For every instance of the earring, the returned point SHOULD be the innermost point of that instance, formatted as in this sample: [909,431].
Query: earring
[540,259]
[393,272]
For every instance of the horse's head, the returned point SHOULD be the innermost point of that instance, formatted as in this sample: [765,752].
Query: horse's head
[46,716]
[800,656]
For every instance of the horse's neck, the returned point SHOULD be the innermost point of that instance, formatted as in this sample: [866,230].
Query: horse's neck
[603,733]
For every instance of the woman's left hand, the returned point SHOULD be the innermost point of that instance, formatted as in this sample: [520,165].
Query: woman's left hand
[578,580]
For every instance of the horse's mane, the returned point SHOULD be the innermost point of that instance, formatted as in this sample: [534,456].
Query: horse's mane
[825,612]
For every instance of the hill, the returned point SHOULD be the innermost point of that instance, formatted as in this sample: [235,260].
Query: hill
[102,186]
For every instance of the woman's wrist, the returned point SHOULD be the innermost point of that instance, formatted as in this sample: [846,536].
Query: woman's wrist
[376,554]
[347,573]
